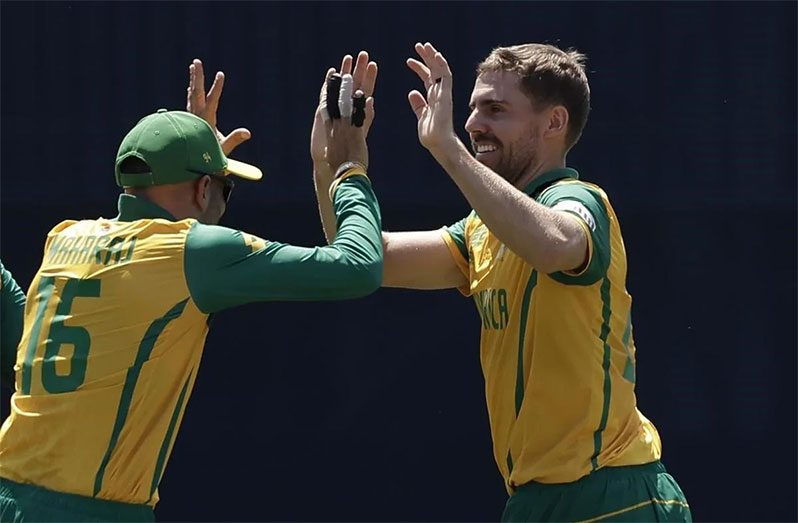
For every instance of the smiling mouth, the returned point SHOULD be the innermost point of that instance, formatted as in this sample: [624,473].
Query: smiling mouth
[485,148]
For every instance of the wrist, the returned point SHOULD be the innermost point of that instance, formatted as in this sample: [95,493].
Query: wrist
[322,169]
[348,166]
[344,171]
[447,151]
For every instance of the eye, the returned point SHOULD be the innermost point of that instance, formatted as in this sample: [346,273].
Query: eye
[495,108]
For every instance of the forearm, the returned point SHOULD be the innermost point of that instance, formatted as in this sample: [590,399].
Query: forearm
[322,179]
[546,239]
[225,268]
[351,266]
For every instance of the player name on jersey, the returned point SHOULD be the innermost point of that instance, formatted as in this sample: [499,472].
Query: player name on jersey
[104,249]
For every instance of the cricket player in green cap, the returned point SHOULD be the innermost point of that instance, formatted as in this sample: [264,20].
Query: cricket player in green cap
[117,314]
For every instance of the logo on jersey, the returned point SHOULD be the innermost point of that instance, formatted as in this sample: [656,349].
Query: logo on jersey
[578,209]
[253,242]
[478,235]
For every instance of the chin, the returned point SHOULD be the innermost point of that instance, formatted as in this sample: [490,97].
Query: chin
[490,165]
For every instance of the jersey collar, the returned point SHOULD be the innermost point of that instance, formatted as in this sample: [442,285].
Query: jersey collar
[136,208]
[548,177]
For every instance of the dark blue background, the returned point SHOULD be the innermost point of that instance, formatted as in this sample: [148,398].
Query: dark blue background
[374,409]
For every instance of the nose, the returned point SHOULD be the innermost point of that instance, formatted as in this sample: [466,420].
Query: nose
[475,124]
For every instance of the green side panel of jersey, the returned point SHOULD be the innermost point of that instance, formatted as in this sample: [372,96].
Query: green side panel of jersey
[600,234]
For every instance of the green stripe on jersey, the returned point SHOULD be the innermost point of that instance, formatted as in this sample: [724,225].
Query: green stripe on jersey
[525,305]
[606,314]
[167,440]
[145,350]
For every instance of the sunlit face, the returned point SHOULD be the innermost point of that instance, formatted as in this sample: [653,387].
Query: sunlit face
[505,130]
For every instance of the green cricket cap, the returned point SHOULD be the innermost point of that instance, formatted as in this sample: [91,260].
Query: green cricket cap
[177,146]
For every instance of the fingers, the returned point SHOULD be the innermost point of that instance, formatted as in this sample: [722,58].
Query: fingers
[370,79]
[364,75]
[234,139]
[323,92]
[436,65]
[346,64]
[322,110]
[345,96]
[444,73]
[421,70]
[212,100]
[332,96]
[359,74]
[417,103]
[358,108]
[196,84]
[369,113]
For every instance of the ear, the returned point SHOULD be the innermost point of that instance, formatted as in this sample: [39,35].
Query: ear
[202,193]
[558,122]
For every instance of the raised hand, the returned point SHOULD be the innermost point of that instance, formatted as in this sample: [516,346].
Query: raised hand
[364,78]
[345,140]
[434,112]
[205,106]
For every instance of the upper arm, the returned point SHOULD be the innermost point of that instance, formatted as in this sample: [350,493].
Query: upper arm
[585,206]
[424,260]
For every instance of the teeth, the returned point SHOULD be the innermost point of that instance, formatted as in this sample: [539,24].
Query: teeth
[485,148]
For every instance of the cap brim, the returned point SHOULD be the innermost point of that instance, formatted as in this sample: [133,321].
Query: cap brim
[243,170]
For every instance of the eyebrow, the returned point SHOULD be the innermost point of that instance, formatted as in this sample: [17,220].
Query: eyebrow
[487,101]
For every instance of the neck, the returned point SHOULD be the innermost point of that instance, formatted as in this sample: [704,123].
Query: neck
[167,197]
[539,168]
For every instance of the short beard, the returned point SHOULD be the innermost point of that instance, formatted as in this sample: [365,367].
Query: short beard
[512,172]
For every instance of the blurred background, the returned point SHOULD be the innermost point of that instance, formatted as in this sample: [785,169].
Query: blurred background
[374,410]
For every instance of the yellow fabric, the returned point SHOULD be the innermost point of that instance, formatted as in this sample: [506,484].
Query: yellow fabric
[552,440]
[59,440]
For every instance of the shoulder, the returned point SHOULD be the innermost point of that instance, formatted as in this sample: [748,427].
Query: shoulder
[575,196]
[574,189]
[64,225]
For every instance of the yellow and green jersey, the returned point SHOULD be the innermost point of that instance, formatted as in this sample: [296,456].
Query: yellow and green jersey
[557,350]
[115,324]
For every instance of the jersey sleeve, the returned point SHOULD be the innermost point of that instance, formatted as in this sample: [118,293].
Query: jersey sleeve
[455,237]
[588,207]
[226,267]
[12,312]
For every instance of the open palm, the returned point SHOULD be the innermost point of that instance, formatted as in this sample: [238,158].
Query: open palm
[206,106]
[364,78]
[434,112]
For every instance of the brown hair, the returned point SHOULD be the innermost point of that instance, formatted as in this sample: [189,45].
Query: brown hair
[549,76]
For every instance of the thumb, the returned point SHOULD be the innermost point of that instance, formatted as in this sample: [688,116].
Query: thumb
[234,139]
[417,103]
